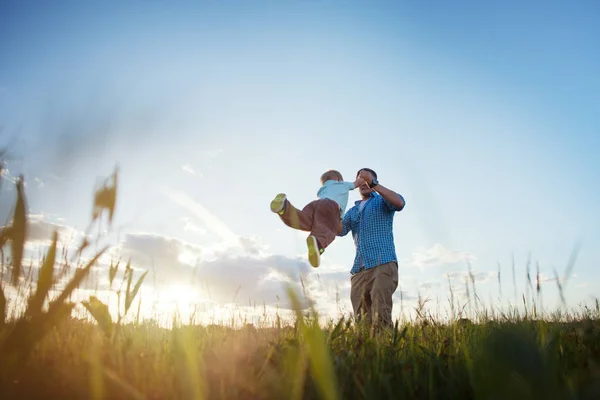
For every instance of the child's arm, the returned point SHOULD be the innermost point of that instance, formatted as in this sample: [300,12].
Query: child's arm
[352,185]
[358,182]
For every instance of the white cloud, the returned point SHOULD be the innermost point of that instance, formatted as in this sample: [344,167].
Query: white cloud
[199,211]
[54,176]
[234,274]
[429,285]
[151,248]
[459,277]
[188,168]
[237,272]
[6,175]
[192,227]
[252,245]
[438,255]
[40,229]
[247,279]
[545,278]
[214,153]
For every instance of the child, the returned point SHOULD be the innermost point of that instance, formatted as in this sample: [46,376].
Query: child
[321,217]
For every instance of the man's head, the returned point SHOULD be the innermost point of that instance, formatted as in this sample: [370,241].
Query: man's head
[368,175]
[331,175]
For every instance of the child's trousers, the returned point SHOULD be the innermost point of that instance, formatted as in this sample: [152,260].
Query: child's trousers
[319,217]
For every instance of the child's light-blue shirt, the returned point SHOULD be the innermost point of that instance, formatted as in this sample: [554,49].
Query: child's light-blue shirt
[336,191]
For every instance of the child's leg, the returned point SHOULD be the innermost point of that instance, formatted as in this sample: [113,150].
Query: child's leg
[326,225]
[294,218]
[326,222]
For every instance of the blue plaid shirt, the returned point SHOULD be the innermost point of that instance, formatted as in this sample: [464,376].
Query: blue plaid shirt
[372,231]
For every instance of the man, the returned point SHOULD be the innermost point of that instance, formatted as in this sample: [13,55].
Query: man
[375,271]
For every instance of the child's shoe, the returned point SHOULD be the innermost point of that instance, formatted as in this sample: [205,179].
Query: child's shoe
[314,251]
[278,203]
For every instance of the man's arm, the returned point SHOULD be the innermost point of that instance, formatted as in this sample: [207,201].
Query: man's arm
[395,200]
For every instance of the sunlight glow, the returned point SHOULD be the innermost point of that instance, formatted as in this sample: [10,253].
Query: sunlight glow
[188,257]
[179,295]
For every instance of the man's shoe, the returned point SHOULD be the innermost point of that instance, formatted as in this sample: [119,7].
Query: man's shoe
[278,203]
[314,252]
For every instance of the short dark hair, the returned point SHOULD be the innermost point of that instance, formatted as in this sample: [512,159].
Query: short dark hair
[368,170]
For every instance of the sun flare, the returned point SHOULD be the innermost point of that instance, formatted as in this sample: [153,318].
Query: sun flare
[179,299]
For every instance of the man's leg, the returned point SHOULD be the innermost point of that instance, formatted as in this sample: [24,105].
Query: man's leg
[360,296]
[325,227]
[385,282]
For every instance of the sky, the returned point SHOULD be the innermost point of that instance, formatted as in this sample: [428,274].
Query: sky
[484,117]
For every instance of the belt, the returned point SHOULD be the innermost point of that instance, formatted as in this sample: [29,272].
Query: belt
[361,269]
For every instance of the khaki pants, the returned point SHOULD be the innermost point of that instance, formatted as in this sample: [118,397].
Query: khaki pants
[319,217]
[371,292]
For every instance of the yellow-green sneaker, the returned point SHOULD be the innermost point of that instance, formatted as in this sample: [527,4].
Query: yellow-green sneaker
[278,203]
[314,252]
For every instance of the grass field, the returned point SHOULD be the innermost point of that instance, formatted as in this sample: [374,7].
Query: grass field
[47,353]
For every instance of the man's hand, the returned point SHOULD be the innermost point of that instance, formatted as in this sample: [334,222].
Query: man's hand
[366,177]
[359,182]
[395,199]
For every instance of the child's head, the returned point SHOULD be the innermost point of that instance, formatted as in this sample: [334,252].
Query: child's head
[331,175]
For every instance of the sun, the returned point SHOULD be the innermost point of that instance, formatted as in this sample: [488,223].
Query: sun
[181,299]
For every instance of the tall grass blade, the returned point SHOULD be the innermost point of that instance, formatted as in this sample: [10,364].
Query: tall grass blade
[112,272]
[130,295]
[100,312]
[5,235]
[560,288]
[19,232]
[297,361]
[3,310]
[499,281]
[571,263]
[186,354]
[95,374]
[17,346]
[538,288]
[452,303]
[128,276]
[126,389]
[528,269]
[318,352]
[398,338]
[514,276]
[44,282]
[74,283]
[105,199]
[337,330]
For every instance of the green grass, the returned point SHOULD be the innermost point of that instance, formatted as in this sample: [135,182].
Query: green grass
[47,353]
[524,359]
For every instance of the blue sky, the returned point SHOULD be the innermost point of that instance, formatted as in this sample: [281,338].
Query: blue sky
[485,117]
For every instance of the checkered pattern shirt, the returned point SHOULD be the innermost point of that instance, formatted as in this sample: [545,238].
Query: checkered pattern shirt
[372,232]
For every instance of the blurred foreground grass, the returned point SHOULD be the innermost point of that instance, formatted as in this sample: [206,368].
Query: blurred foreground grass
[503,360]
[46,353]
